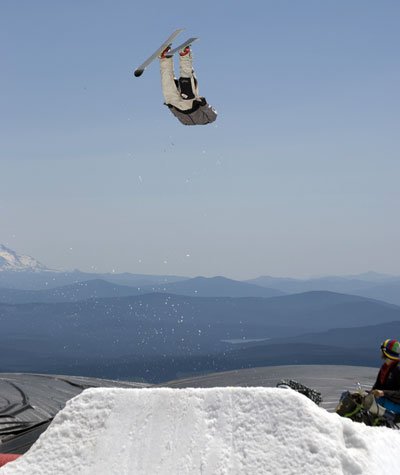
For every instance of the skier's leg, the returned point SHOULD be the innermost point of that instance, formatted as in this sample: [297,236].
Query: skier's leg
[171,93]
[187,82]
[169,89]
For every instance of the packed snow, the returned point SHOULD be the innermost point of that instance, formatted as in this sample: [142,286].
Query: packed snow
[211,431]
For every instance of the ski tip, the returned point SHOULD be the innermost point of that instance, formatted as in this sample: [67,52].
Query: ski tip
[138,72]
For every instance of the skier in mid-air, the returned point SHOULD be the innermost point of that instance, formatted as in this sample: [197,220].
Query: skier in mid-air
[182,95]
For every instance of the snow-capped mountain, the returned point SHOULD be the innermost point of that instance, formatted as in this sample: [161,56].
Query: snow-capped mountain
[11,261]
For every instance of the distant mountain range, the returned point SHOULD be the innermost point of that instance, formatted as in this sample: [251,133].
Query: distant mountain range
[386,290]
[370,285]
[330,283]
[51,280]
[158,327]
[97,288]
[90,289]
[26,273]
[175,333]
[217,287]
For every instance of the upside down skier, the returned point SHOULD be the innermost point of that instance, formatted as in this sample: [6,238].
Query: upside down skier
[182,95]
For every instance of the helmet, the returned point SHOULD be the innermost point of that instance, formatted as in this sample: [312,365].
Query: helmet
[391,349]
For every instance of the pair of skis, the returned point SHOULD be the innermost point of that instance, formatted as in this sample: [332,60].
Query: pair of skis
[167,44]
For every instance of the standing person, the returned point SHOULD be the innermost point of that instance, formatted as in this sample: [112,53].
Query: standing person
[182,95]
[385,393]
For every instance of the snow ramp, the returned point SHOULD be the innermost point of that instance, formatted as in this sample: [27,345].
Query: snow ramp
[211,431]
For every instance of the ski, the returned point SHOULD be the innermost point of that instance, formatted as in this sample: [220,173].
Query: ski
[180,47]
[140,69]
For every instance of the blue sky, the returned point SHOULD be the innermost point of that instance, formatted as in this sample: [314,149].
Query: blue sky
[298,176]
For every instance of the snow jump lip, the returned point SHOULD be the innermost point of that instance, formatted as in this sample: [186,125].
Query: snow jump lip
[208,431]
[29,402]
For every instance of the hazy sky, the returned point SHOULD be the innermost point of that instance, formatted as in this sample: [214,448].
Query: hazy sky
[299,175]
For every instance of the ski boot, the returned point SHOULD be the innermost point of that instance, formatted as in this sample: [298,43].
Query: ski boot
[185,51]
[164,54]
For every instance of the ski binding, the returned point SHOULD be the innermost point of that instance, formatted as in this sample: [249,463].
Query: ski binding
[167,43]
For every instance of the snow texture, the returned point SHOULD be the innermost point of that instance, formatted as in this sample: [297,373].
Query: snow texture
[11,261]
[211,431]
